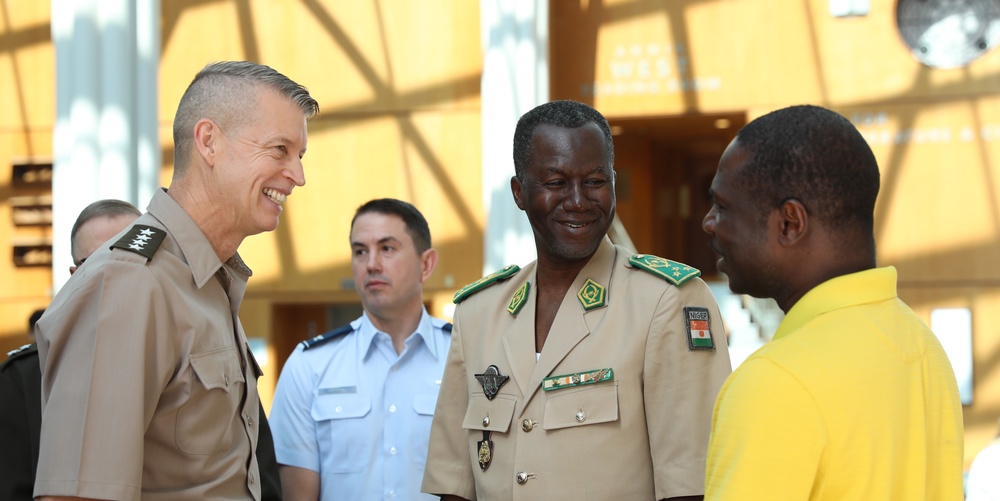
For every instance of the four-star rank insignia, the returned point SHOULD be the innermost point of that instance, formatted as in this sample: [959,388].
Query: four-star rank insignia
[699,333]
[141,239]
[492,380]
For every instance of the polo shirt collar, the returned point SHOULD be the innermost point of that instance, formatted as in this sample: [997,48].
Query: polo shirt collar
[863,287]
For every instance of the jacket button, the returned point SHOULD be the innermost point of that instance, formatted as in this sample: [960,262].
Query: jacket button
[527,425]
[522,477]
[486,421]
[581,416]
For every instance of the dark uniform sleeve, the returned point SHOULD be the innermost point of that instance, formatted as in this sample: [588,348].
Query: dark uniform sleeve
[20,422]
[270,483]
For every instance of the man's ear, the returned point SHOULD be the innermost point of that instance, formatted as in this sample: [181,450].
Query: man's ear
[516,188]
[206,135]
[428,260]
[793,222]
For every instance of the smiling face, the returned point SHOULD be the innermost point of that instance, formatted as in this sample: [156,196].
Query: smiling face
[741,234]
[260,162]
[389,271]
[567,192]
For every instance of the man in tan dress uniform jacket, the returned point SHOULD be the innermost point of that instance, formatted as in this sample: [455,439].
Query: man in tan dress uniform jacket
[148,384]
[592,372]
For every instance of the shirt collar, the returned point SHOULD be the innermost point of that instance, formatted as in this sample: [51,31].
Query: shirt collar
[194,246]
[863,287]
[425,332]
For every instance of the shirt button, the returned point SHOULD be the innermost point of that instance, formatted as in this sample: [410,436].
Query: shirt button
[522,477]
[392,451]
[581,416]
[225,378]
[392,493]
[338,409]
[251,479]
[392,408]
[527,425]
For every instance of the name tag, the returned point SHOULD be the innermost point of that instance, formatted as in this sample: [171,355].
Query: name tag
[337,390]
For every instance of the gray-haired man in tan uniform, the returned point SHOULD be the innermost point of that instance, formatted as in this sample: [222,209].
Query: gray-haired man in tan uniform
[148,384]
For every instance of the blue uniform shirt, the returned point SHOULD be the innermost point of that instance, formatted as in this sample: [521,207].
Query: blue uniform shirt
[350,408]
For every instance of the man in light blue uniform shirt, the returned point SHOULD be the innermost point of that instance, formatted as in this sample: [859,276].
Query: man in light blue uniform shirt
[353,407]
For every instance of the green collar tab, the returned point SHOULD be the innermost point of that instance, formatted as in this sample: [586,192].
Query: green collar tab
[518,300]
[671,271]
[591,295]
[497,276]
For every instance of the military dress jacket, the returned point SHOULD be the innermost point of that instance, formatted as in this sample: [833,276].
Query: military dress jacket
[148,384]
[618,404]
[20,422]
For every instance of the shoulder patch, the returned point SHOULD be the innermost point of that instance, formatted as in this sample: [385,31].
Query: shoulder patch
[671,271]
[495,277]
[323,338]
[24,351]
[141,239]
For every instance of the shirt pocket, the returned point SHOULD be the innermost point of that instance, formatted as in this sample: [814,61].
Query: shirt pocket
[344,435]
[423,406]
[208,420]
[592,404]
[488,415]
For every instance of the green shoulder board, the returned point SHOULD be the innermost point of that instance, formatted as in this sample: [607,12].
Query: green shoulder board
[497,276]
[671,271]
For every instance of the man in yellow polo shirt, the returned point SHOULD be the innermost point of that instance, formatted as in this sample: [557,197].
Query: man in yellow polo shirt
[854,398]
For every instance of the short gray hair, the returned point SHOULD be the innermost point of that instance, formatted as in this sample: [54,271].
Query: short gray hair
[226,92]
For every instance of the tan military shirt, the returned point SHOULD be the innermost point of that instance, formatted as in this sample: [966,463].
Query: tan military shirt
[639,434]
[145,371]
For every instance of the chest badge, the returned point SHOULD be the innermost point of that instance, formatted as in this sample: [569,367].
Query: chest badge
[492,381]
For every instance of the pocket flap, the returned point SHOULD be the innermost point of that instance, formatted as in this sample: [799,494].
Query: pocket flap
[340,406]
[581,406]
[424,403]
[492,415]
[217,368]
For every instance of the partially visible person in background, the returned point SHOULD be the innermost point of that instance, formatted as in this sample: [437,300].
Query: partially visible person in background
[96,224]
[20,376]
[353,407]
[983,481]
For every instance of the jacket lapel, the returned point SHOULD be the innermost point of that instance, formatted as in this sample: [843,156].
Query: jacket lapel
[571,324]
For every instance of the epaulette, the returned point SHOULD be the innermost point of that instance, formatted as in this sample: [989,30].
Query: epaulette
[323,338]
[141,239]
[21,352]
[671,271]
[495,277]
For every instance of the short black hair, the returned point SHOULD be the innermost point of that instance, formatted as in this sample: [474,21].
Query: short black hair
[817,157]
[563,113]
[415,223]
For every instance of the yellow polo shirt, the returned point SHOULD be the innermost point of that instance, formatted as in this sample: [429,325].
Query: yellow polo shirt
[853,399]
